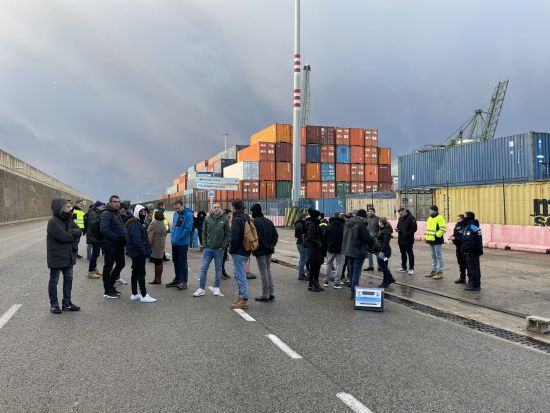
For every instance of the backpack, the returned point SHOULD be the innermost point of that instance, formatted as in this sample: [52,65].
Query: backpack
[251,241]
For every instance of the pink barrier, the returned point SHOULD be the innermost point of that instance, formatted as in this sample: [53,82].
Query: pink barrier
[278,221]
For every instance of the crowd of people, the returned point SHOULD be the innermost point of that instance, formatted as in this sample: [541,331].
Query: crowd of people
[344,241]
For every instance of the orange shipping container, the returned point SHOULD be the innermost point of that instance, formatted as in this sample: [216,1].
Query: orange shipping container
[210,167]
[267,171]
[303,190]
[200,165]
[303,173]
[371,186]
[357,187]
[343,172]
[212,160]
[328,190]
[261,151]
[384,156]
[371,173]
[328,154]
[303,154]
[371,156]
[313,190]
[284,171]
[357,172]
[342,136]
[267,189]
[371,137]
[274,133]
[357,154]
[357,137]
[313,172]
[175,182]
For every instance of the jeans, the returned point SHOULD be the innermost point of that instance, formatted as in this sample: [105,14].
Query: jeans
[239,270]
[67,285]
[264,265]
[407,250]
[384,266]
[114,255]
[474,270]
[89,249]
[437,257]
[303,259]
[224,260]
[138,275]
[179,257]
[96,250]
[371,260]
[207,255]
[339,259]
[355,269]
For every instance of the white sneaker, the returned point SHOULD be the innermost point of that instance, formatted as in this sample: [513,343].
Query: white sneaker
[411,272]
[199,293]
[120,281]
[148,299]
[135,297]
[400,269]
[215,291]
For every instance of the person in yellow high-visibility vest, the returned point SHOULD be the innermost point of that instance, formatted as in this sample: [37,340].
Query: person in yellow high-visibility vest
[435,229]
[78,217]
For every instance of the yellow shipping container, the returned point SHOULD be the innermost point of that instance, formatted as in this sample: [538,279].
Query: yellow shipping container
[512,204]
[384,207]
[274,133]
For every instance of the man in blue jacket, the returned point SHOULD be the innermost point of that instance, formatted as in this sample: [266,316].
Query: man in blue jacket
[111,227]
[181,230]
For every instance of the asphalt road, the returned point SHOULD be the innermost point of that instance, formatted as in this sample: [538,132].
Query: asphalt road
[185,354]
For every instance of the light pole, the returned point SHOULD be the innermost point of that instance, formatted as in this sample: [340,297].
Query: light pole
[296,109]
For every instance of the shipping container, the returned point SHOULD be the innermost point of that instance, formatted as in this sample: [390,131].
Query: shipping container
[385,186]
[250,189]
[175,181]
[213,159]
[231,152]
[245,171]
[267,171]
[284,171]
[328,190]
[201,165]
[273,133]
[327,206]
[343,154]
[357,154]
[268,190]
[191,170]
[385,207]
[517,158]
[327,135]
[342,172]
[371,155]
[222,163]
[313,172]
[328,172]
[313,153]
[284,189]
[313,189]
[283,152]
[384,174]
[342,189]
[371,173]
[261,151]
[303,173]
[328,154]
[341,136]
[357,136]
[310,135]
[357,172]
[303,155]
[357,187]
[417,202]
[384,156]
[371,137]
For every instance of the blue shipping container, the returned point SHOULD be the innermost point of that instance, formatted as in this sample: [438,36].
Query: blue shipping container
[517,158]
[343,154]
[328,172]
[313,153]
[328,206]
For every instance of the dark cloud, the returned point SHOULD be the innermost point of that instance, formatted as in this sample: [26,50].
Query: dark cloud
[119,97]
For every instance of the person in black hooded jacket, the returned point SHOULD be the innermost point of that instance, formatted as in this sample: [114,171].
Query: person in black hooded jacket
[314,241]
[472,248]
[300,234]
[384,251]
[267,237]
[61,248]
[333,238]
[456,238]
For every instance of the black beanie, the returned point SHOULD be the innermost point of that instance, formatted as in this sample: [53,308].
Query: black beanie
[256,210]
[313,213]
[362,213]
[434,208]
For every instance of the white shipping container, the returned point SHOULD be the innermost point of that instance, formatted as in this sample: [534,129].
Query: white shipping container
[245,171]
[171,190]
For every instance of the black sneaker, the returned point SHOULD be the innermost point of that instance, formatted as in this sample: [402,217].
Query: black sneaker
[262,299]
[271,298]
[172,284]
[383,285]
[369,269]
[460,281]
[116,292]
[79,256]
[111,295]
[250,276]
[471,288]
[55,310]
[71,307]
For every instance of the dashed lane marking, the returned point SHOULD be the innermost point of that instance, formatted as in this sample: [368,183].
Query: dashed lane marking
[353,403]
[283,346]
[243,314]
[9,314]
[212,289]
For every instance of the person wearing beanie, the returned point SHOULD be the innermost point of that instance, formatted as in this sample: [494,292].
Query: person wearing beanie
[334,235]
[301,246]
[267,237]
[472,248]
[314,241]
[94,239]
[435,230]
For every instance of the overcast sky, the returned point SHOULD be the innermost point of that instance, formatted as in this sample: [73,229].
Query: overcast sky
[120,96]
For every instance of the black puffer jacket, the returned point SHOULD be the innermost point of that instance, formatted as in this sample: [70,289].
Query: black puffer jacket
[334,235]
[314,241]
[457,233]
[267,235]
[236,246]
[61,237]
[91,223]
[472,241]
[406,228]
[112,226]
[299,231]
[357,238]
[384,238]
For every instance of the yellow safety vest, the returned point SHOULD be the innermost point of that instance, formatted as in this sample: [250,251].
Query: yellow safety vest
[79,220]
[435,228]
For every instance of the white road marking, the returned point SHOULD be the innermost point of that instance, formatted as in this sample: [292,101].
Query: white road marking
[243,314]
[283,346]
[212,289]
[22,234]
[9,314]
[353,403]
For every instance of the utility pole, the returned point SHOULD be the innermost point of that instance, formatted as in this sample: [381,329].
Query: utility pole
[296,109]
[225,138]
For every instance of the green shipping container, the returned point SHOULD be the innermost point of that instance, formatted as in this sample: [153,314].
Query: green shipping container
[284,189]
[342,189]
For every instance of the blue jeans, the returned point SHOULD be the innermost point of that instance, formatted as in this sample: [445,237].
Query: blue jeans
[179,257]
[239,270]
[437,257]
[355,269]
[303,259]
[96,250]
[67,285]
[207,255]
[384,266]
[371,261]
[88,251]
